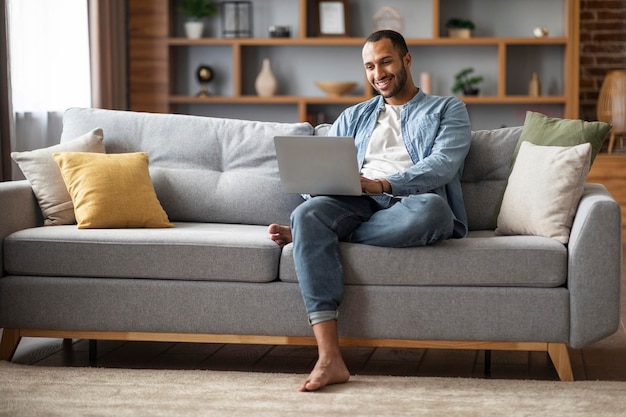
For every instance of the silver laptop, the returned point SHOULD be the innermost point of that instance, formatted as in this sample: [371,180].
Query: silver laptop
[322,165]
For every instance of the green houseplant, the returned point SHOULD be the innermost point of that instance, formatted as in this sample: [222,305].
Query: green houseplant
[466,83]
[196,10]
[460,28]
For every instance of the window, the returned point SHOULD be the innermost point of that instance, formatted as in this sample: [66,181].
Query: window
[49,55]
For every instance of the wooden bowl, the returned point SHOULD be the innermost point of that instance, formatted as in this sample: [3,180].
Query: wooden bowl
[335,88]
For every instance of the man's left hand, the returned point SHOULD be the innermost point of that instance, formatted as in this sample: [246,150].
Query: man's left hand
[375,186]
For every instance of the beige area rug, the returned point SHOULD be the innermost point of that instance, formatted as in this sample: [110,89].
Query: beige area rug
[50,391]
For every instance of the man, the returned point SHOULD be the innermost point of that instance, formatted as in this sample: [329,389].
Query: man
[411,148]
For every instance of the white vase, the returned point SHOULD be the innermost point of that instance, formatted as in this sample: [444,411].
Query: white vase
[426,84]
[266,83]
[193,29]
[460,33]
[534,86]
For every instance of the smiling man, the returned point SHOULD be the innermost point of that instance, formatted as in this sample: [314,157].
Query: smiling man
[411,147]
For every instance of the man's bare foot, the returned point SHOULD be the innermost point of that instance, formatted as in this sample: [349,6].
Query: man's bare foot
[280,234]
[326,372]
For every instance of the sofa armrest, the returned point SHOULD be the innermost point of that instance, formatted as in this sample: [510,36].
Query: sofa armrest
[594,267]
[19,209]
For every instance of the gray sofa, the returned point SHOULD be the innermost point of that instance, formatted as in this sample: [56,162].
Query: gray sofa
[216,276]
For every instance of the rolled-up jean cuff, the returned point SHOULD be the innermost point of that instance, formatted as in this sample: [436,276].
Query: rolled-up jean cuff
[321,316]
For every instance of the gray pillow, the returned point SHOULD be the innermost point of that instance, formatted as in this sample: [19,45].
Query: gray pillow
[45,177]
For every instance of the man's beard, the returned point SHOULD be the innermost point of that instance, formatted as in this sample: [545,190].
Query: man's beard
[401,78]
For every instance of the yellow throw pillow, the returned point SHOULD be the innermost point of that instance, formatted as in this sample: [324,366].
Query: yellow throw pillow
[111,190]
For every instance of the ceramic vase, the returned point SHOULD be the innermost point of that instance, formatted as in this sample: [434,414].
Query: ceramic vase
[193,29]
[426,83]
[534,86]
[266,83]
[462,33]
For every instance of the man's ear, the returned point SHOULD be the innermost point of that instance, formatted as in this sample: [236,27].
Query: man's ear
[407,59]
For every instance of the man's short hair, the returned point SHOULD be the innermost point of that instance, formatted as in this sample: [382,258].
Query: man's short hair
[397,40]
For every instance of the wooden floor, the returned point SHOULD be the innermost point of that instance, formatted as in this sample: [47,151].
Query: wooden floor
[605,360]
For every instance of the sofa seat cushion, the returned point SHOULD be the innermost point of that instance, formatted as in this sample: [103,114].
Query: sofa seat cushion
[189,251]
[481,259]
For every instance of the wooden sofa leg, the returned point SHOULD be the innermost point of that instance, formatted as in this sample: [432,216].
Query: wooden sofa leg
[93,352]
[10,339]
[560,358]
[487,369]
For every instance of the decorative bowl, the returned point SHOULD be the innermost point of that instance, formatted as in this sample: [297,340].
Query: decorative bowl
[335,88]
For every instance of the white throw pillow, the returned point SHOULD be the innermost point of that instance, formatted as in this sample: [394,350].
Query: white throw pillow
[544,189]
[44,176]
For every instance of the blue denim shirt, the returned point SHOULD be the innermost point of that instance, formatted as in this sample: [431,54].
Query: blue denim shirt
[436,133]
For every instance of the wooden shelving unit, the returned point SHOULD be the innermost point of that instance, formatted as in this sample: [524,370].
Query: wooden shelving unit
[156,70]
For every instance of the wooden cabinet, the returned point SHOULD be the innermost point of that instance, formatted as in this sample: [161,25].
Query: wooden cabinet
[609,170]
[503,49]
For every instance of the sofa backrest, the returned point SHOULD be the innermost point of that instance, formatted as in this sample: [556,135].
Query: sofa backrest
[485,175]
[204,169]
[208,169]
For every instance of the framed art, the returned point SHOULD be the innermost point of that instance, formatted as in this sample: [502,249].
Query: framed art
[332,17]
[236,19]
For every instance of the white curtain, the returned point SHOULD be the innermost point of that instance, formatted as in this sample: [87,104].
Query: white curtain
[49,68]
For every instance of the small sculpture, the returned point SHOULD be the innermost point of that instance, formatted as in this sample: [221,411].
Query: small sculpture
[204,73]
[387,18]
[540,32]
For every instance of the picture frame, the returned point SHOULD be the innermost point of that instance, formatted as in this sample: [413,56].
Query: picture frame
[236,19]
[332,17]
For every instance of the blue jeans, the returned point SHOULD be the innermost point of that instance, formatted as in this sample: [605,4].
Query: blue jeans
[318,224]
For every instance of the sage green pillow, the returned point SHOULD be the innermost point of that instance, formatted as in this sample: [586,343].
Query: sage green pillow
[540,129]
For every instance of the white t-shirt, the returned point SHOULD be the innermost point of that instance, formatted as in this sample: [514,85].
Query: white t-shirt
[386,153]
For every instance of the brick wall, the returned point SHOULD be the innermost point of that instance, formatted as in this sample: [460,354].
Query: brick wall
[602,48]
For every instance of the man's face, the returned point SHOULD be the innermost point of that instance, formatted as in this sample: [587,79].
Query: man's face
[385,69]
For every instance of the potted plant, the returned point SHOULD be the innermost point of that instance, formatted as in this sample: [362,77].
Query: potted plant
[196,10]
[464,82]
[460,28]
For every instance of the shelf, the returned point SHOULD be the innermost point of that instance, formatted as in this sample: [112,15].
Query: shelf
[251,99]
[266,41]
[502,49]
[349,99]
[486,41]
[349,41]
[513,100]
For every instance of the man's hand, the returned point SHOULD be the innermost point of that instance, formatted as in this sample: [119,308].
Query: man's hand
[375,186]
